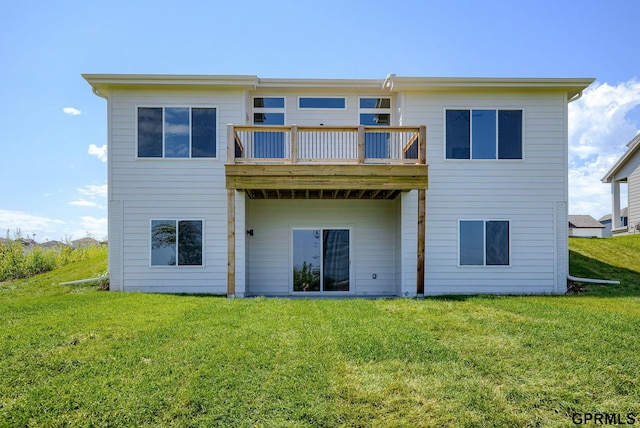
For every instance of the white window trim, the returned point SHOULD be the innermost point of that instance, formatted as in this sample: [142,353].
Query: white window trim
[484,247]
[496,109]
[320,108]
[177,266]
[190,106]
[352,287]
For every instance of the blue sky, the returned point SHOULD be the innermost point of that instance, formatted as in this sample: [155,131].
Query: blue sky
[53,129]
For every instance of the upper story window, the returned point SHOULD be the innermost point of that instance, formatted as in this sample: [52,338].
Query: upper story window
[268,144]
[322,103]
[376,112]
[484,134]
[268,111]
[176,132]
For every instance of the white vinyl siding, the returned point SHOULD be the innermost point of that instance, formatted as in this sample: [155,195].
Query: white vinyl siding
[524,191]
[372,225]
[169,188]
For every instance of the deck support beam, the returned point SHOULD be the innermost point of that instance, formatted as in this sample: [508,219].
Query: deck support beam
[231,242]
[421,242]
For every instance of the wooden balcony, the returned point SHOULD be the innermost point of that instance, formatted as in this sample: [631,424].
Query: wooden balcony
[326,162]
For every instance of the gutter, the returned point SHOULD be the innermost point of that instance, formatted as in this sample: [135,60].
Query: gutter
[592,281]
[576,97]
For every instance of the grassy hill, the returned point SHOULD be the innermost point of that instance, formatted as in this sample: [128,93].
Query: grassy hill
[610,258]
[77,356]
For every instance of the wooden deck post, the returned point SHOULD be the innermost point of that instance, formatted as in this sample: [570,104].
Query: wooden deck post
[421,241]
[422,145]
[361,138]
[231,144]
[294,143]
[231,242]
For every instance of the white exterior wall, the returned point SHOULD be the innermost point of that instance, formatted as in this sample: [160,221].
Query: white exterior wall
[586,232]
[531,193]
[526,192]
[316,117]
[373,248]
[149,189]
[634,197]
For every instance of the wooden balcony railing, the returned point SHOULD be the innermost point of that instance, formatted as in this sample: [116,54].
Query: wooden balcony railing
[326,144]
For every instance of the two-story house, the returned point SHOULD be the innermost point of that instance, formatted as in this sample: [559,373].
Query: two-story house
[401,186]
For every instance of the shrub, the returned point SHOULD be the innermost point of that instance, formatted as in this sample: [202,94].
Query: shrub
[18,262]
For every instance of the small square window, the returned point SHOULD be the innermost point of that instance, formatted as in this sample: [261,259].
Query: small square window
[176,242]
[484,243]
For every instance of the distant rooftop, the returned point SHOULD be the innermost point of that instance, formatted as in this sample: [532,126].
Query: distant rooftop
[584,221]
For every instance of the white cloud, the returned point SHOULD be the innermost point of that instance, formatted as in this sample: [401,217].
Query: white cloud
[93,190]
[599,129]
[71,111]
[27,223]
[100,152]
[93,226]
[83,203]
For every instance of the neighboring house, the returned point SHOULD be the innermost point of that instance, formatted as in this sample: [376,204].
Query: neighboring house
[626,170]
[585,226]
[401,186]
[606,221]
[52,244]
[87,241]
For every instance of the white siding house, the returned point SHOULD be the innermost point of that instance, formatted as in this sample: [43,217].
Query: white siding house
[626,171]
[585,226]
[401,186]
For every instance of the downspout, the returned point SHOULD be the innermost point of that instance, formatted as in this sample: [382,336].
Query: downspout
[592,281]
[387,81]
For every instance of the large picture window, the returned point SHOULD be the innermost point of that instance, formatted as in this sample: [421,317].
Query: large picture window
[176,132]
[176,242]
[484,243]
[483,134]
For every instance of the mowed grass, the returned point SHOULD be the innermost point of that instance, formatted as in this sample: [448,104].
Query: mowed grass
[76,356]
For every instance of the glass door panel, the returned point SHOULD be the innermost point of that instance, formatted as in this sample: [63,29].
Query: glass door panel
[306,260]
[321,260]
[335,260]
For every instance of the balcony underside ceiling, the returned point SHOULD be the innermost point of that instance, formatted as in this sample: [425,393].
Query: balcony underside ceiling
[304,181]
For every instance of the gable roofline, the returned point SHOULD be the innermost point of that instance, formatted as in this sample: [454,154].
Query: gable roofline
[633,147]
[102,83]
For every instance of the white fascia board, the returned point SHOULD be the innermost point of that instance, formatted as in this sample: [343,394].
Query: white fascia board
[104,82]
[573,86]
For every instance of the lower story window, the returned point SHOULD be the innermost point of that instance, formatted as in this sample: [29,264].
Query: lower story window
[176,242]
[484,243]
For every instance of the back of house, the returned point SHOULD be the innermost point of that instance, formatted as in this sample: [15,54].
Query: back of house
[402,186]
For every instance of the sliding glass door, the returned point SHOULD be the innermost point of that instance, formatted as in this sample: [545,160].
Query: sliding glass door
[321,260]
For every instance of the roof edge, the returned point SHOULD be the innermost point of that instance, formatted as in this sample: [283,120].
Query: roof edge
[573,86]
[633,147]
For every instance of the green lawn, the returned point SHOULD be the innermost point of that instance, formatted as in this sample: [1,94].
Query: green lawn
[76,356]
